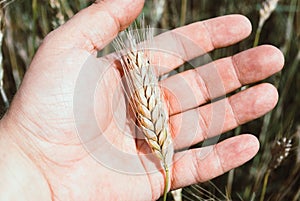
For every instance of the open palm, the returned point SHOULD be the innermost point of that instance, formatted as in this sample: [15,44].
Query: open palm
[70,122]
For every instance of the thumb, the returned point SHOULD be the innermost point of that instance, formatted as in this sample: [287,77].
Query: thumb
[53,74]
[95,26]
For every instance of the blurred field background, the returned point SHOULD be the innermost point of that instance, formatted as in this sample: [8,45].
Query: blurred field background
[274,174]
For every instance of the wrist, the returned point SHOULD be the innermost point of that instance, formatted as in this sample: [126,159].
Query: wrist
[20,178]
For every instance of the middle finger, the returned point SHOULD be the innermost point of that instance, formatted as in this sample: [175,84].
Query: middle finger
[195,87]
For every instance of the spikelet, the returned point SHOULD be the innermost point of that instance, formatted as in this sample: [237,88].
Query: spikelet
[267,8]
[280,150]
[146,97]
[177,194]
[59,18]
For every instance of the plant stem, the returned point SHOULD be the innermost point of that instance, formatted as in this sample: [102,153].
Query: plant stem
[167,182]
[230,182]
[182,22]
[183,12]
[2,91]
[257,36]
[266,178]
[4,97]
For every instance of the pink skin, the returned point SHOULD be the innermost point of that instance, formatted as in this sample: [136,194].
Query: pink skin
[39,128]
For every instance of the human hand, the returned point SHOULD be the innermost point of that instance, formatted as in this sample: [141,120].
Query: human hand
[51,127]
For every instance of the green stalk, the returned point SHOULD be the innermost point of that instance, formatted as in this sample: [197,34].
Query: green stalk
[34,6]
[183,12]
[182,22]
[230,181]
[257,35]
[167,182]
[2,91]
[266,178]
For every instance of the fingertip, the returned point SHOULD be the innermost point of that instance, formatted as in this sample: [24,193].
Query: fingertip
[117,8]
[229,29]
[94,27]
[275,56]
[253,102]
[246,23]
[250,148]
[269,96]
[258,63]
[253,143]
[241,148]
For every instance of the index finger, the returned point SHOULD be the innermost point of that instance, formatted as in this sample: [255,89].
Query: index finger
[175,47]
